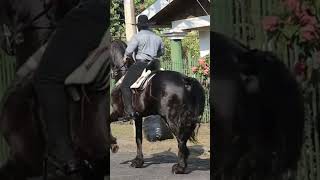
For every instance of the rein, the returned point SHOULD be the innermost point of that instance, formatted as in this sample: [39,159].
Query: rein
[15,37]
[117,70]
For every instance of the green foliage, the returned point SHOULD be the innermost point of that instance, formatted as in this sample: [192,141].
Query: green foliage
[117,19]
[191,45]
[141,5]
[117,15]
[167,45]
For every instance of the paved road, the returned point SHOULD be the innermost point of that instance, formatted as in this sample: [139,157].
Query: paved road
[157,167]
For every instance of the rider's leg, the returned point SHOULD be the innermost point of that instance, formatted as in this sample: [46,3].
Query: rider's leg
[154,65]
[78,34]
[132,75]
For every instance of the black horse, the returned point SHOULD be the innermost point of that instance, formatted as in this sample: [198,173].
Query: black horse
[30,24]
[178,99]
[258,113]
[26,25]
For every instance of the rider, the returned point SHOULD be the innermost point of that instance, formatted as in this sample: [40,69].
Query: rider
[78,33]
[147,47]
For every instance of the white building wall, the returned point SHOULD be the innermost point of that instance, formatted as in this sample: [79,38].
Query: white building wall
[204,43]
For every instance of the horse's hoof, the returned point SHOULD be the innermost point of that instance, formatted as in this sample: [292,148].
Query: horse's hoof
[114,148]
[177,169]
[137,163]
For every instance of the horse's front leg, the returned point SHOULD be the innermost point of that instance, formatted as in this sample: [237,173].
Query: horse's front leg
[138,161]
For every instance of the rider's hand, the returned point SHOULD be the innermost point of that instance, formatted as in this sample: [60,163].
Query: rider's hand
[125,59]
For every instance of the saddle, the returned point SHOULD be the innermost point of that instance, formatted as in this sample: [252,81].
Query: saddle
[142,82]
[94,70]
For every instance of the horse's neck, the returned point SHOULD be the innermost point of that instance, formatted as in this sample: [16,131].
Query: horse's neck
[62,7]
[225,45]
[36,39]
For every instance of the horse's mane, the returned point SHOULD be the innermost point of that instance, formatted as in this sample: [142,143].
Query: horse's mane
[118,46]
[117,50]
[266,62]
[223,44]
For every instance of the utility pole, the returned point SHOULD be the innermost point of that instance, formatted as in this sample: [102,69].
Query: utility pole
[130,18]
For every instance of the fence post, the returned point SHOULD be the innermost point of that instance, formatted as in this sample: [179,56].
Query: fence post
[176,49]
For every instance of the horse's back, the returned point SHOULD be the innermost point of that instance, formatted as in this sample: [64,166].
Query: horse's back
[175,84]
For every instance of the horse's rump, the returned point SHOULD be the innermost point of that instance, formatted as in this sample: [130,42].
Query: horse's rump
[259,114]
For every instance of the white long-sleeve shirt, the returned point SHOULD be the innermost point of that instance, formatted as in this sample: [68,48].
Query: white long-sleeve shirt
[146,44]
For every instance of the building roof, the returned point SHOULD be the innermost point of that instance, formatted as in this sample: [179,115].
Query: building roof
[164,12]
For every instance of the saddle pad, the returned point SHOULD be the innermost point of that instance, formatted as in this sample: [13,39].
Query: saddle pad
[32,63]
[86,73]
[92,67]
[145,74]
[141,84]
[146,82]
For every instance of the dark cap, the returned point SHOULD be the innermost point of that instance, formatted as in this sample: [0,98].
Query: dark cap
[143,21]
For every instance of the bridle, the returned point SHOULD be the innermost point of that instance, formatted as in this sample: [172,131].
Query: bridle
[115,71]
[15,37]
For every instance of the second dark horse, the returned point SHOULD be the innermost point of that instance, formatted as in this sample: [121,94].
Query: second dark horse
[178,99]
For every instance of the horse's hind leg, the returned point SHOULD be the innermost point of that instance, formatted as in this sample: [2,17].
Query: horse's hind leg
[183,154]
[138,161]
[183,135]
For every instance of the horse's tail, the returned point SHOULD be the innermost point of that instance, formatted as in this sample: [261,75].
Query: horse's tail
[196,93]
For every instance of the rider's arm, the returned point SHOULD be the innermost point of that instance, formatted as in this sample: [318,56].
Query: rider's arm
[132,46]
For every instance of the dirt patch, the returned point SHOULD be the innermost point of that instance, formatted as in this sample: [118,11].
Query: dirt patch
[126,141]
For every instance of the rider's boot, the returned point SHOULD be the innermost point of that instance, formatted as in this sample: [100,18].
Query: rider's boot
[127,101]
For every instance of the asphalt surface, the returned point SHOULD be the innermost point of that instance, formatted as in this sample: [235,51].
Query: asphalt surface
[157,167]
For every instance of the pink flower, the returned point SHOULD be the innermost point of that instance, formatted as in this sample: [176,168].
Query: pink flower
[206,72]
[202,61]
[299,68]
[309,33]
[307,36]
[194,69]
[292,4]
[309,28]
[270,23]
[306,18]
[206,67]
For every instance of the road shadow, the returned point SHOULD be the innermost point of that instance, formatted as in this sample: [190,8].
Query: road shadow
[195,163]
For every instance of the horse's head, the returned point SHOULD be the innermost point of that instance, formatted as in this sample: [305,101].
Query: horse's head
[119,67]
[26,25]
